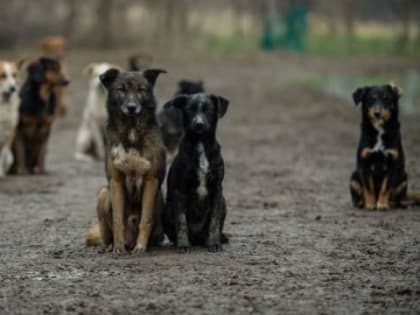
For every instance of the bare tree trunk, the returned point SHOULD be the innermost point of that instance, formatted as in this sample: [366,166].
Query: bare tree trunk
[104,24]
[70,22]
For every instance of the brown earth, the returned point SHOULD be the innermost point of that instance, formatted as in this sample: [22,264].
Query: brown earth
[297,245]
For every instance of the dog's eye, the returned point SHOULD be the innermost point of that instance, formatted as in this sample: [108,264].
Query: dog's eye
[3,76]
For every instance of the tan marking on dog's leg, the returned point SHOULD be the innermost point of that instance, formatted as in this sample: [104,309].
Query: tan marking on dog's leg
[104,212]
[384,194]
[368,195]
[365,153]
[400,188]
[393,153]
[117,203]
[357,187]
[151,186]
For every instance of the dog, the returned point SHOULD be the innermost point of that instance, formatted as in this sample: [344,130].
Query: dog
[380,180]
[9,112]
[196,208]
[36,115]
[90,143]
[170,118]
[135,164]
[55,47]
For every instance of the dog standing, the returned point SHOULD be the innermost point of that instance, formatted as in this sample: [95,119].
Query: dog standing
[170,118]
[196,208]
[135,163]
[36,115]
[90,143]
[9,112]
[380,179]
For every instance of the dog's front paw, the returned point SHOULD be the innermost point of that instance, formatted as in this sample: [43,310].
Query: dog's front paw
[183,249]
[139,249]
[370,206]
[215,248]
[382,206]
[22,171]
[119,250]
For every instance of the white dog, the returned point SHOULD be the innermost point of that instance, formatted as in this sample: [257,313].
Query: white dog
[9,112]
[90,143]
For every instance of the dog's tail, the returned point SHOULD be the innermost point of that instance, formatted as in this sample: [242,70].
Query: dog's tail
[93,236]
[414,197]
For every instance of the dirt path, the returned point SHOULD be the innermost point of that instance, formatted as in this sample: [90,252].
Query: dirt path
[297,246]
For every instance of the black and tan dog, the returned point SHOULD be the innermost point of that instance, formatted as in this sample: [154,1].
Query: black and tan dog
[36,115]
[135,165]
[170,118]
[196,208]
[380,179]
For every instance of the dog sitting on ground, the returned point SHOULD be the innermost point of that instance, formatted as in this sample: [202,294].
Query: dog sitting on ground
[54,47]
[36,115]
[9,112]
[90,143]
[135,163]
[380,180]
[170,118]
[196,208]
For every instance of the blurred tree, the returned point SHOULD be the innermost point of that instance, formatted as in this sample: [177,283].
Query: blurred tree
[103,27]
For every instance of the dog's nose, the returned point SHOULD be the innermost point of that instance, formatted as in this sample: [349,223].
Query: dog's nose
[377,114]
[65,81]
[131,107]
[12,89]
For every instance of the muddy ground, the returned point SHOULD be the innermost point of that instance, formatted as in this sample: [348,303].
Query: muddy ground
[297,245]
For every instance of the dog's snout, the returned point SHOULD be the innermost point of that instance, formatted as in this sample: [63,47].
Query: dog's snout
[65,81]
[12,89]
[377,114]
[132,108]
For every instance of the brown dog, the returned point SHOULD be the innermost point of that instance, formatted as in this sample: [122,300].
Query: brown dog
[135,165]
[36,115]
[54,47]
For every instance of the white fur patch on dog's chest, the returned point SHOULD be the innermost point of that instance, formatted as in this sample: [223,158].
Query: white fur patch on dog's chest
[132,135]
[203,169]
[379,145]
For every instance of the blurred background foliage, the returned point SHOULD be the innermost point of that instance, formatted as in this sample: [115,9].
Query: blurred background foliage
[325,27]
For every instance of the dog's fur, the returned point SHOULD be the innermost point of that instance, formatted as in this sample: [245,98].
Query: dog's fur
[196,208]
[380,179]
[36,115]
[170,118]
[90,143]
[9,112]
[135,164]
[55,47]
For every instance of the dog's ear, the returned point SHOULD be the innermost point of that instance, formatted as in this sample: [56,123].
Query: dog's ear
[19,63]
[108,77]
[36,72]
[152,74]
[221,104]
[179,102]
[359,95]
[397,91]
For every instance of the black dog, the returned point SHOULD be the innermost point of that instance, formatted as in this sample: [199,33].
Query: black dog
[380,180]
[196,208]
[36,115]
[170,118]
